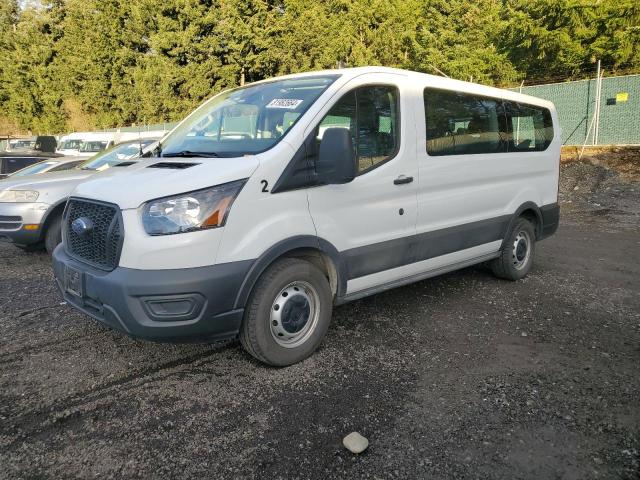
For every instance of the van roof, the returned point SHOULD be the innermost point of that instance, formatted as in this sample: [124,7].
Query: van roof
[432,80]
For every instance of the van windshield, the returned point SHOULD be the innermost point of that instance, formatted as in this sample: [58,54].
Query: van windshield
[245,120]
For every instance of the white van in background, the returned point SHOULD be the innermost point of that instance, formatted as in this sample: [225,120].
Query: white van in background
[69,145]
[95,142]
[275,201]
[130,136]
[87,144]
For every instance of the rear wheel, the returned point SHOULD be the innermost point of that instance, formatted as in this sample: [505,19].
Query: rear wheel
[53,235]
[516,257]
[288,313]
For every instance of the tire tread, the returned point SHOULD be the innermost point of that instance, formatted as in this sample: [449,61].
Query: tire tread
[501,266]
[248,334]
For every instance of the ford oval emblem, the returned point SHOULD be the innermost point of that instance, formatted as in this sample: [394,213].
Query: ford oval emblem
[82,226]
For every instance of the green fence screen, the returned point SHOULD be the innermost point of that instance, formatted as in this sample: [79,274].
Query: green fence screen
[575,101]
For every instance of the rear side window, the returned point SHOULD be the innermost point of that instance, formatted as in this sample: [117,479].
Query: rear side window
[461,124]
[531,128]
[371,115]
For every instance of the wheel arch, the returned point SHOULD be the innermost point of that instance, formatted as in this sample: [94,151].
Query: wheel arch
[314,249]
[528,210]
[50,214]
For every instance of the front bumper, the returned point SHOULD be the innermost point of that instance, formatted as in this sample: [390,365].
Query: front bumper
[14,217]
[186,305]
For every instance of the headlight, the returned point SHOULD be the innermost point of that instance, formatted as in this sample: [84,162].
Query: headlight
[18,196]
[206,208]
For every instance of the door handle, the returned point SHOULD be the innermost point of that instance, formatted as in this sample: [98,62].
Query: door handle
[401,180]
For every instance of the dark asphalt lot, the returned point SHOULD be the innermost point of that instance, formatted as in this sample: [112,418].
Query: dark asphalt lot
[461,376]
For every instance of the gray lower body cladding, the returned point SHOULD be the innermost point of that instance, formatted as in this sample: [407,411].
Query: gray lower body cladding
[195,304]
[207,303]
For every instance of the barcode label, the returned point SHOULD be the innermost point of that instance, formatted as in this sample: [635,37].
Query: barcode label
[288,103]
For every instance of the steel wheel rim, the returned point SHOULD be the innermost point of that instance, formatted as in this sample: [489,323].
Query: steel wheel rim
[521,250]
[294,314]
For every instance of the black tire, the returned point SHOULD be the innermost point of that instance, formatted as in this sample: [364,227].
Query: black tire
[259,330]
[517,253]
[35,247]
[53,235]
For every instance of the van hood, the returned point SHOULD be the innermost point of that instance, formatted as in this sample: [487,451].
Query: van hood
[161,177]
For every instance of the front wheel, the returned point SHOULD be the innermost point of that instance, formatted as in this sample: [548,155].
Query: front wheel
[288,313]
[53,235]
[516,256]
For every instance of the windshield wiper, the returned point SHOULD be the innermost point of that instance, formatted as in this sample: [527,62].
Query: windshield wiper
[188,153]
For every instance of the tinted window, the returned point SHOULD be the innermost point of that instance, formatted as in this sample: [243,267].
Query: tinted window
[531,128]
[459,123]
[66,166]
[371,115]
[93,146]
[33,169]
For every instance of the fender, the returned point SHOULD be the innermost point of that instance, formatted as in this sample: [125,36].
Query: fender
[47,215]
[525,206]
[280,249]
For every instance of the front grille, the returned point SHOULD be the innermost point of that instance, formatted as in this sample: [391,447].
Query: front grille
[10,222]
[100,244]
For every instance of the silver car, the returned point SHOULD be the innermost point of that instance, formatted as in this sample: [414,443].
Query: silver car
[51,165]
[31,206]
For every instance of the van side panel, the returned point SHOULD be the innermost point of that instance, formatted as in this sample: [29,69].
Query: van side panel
[260,219]
[462,189]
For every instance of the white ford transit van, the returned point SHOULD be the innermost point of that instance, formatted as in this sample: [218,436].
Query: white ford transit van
[273,202]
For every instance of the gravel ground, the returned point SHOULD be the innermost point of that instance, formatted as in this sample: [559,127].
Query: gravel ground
[461,376]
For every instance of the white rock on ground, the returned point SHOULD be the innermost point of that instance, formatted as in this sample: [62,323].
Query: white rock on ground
[355,443]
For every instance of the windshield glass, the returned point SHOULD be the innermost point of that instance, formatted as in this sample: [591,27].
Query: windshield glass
[116,154]
[67,166]
[93,146]
[32,169]
[70,145]
[246,120]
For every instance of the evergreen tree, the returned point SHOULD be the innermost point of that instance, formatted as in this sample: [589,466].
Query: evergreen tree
[29,94]
[101,63]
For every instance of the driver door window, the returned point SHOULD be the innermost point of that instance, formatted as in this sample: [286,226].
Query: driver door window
[372,117]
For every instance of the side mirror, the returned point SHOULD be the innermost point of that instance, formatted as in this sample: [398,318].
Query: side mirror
[336,162]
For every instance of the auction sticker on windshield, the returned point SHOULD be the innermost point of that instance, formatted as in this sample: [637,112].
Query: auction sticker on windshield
[288,103]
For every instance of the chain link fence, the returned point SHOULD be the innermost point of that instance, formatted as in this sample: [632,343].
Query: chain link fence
[619,118]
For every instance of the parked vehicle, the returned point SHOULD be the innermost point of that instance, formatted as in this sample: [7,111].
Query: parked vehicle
[275,201]
[31,206]
[52,165]
[25,152]
[93,143]
[21,144]
[69,145]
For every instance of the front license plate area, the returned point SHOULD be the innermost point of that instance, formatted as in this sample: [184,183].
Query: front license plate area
[73,281]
